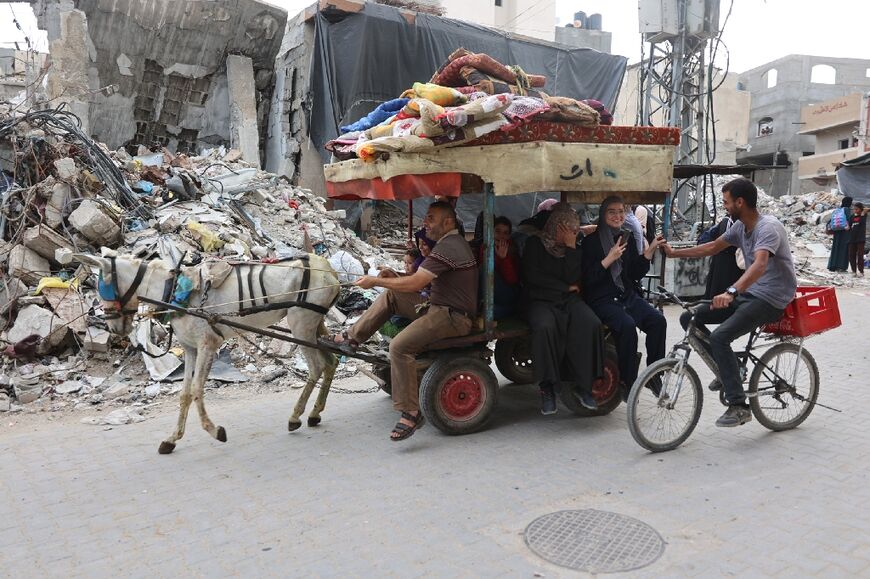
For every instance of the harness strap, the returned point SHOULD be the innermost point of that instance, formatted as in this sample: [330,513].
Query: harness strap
[251,286]
[283,306]
[263,285]
[238,271]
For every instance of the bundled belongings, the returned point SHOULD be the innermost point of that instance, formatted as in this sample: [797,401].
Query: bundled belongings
[470,97]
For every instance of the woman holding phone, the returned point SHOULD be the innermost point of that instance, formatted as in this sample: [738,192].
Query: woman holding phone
[612,270]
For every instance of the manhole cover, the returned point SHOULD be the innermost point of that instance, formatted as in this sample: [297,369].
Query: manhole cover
[594,541]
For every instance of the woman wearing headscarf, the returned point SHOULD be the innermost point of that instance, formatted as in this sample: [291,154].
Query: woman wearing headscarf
[839,259]
[567,345]
[612,270]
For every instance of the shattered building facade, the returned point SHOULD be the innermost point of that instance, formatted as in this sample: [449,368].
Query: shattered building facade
[184,74]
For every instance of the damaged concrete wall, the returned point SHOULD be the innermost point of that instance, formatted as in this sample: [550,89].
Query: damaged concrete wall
[289,151]
[165,61]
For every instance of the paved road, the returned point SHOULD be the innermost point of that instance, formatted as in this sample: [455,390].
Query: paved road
[342,500]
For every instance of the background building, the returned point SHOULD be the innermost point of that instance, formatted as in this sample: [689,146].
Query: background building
[780,91]
[585,31]
[730,109]
[535,18]
[836,126]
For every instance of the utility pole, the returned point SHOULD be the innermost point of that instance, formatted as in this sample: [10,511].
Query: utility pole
[673,84]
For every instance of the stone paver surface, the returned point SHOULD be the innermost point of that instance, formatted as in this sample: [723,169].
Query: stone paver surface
[342,500]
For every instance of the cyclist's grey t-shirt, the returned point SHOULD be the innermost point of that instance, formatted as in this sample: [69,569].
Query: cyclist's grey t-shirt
[778,283]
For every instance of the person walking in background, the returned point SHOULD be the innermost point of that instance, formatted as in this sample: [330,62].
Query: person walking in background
[857,238]
[838,226]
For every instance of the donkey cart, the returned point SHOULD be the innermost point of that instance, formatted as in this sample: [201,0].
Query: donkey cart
[458,389]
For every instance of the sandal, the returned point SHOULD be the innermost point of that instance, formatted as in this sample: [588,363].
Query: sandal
[403,430]
[347,344]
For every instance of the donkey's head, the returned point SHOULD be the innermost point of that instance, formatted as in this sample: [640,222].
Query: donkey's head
[120,278]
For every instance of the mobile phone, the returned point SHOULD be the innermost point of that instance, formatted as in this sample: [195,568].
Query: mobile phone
[619,238]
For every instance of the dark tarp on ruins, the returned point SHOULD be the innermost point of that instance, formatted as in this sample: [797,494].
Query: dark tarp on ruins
[365,58]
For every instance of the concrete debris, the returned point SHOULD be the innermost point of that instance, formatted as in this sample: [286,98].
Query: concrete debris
[36,320]
[44,241]
[92,221]
[27,265]
[68,387]
[96,340]
[5,403]
[117,417]
[154,204]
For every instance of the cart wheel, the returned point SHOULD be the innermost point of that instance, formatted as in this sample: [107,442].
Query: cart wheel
[513,358]
[605,390]
[458,395]
[383,372]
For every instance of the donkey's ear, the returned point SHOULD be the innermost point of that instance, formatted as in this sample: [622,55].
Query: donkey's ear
[99,262]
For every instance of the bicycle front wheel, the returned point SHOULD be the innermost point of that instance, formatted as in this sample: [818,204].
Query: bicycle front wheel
[663,421]
[784,387]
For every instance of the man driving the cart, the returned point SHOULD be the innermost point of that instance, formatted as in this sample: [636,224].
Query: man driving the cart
[757,298]
[449,311]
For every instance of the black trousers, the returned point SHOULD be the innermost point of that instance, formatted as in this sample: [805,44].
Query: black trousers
[746,313]
[856,257]
[567,344]
[624,318]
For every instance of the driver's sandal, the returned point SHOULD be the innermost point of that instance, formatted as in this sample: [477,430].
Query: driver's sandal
[403,430]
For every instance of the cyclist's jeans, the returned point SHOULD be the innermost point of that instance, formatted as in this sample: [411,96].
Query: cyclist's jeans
[744,315]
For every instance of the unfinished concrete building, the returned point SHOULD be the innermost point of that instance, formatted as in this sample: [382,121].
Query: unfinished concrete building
[184,74]
[780,90]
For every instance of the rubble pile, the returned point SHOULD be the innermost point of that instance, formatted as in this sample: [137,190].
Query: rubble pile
[805,218]
[62,193]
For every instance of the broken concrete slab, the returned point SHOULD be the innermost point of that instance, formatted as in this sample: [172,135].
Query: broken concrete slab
[244,134]
[27,265]
[65,168]
[45,241]
[34,319]
[96,340]
[68,387]
[69,306]
[60,192]
[10,289]
[91,220]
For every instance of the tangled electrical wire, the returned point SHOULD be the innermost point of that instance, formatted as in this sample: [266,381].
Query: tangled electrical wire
[66,126]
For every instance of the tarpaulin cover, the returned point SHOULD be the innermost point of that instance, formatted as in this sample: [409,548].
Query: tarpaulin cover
[366,58]
[399,188]
[853,178]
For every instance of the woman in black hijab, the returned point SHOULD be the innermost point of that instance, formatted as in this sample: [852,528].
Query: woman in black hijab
[612,270]
[839,259]
[567,345]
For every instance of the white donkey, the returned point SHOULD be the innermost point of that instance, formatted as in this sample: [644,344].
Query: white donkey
[301,290]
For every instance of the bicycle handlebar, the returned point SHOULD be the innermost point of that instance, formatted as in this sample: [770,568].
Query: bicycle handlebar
[671,297]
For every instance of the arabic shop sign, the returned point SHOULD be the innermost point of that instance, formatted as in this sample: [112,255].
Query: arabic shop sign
[830,107]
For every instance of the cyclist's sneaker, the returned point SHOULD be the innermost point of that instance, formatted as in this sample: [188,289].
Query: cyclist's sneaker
[548,400]
[586,400]
[714,386]
[736,415]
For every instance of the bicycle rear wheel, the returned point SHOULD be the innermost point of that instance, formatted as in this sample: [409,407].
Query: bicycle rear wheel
[784,387]
[660,423]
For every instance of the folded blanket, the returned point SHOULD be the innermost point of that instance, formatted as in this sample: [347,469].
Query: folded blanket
[492,85]
[449,74]
[383,112]
[568,110]
[606,117]
[440,95]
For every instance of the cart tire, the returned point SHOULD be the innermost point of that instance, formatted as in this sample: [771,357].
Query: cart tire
[605,389]
[458,395]
[513,358]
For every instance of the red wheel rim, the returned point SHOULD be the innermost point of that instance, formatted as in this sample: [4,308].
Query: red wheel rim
[462,396]
[606,387]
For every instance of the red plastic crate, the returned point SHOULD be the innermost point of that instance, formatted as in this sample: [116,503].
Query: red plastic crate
[812,311]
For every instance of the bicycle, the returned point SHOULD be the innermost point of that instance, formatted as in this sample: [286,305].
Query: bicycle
[665,401]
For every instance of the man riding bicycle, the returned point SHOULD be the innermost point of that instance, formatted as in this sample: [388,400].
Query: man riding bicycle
[757,298]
